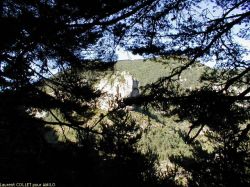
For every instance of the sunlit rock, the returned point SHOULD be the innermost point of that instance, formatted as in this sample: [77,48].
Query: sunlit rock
[116,87]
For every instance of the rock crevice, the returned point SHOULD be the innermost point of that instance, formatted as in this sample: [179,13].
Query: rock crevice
[116,87]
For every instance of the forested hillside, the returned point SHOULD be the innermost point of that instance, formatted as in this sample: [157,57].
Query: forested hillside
[149,71]
[163,135]
[175,122]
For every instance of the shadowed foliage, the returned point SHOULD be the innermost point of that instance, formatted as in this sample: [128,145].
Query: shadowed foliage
[52,52]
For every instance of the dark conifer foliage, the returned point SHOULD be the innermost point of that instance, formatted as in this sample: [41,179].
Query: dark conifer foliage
[48,42]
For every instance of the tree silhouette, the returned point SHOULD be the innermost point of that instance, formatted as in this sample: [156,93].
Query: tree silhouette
[227,163]
[46,43]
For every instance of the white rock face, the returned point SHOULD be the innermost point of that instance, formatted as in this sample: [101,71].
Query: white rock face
[115,87]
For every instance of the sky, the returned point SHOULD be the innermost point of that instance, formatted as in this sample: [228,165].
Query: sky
[126,55]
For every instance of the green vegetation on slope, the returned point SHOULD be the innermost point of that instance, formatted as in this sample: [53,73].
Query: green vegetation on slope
[149,71]
[161,135]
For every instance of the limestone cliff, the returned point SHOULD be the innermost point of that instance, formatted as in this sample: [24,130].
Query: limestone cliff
[116,87]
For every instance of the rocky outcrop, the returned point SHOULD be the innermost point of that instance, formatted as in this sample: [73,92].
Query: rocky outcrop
[116,87]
